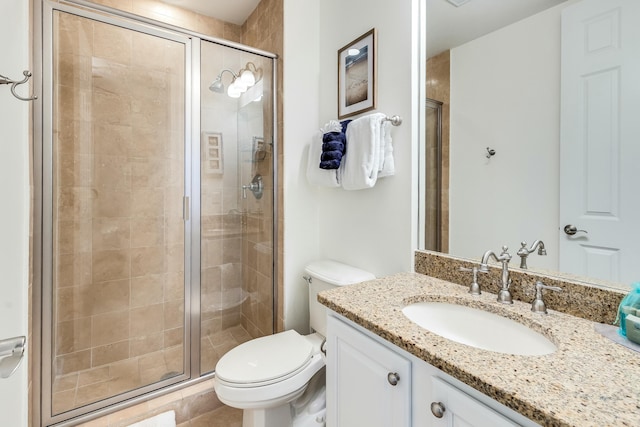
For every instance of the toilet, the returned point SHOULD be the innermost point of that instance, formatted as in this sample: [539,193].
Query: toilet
[278,380]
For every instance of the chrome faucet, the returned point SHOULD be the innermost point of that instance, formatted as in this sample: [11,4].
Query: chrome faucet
[504,296]
[523,252]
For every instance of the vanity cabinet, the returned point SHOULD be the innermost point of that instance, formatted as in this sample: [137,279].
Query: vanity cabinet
[362,369]
[368,384]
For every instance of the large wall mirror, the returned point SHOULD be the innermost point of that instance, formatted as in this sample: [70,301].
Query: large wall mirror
[551,88]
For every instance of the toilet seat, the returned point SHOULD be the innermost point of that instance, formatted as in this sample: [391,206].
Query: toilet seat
[262,361]
[243,386]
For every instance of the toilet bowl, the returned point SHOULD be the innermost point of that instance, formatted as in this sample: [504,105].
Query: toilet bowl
[277,379]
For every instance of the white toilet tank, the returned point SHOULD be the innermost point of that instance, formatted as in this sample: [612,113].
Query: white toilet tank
[328,274]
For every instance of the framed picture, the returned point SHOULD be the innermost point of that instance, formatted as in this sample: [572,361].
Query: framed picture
[211,157]
[357,76]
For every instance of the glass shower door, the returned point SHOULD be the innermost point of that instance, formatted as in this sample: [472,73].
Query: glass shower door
[116,230]
[237,294]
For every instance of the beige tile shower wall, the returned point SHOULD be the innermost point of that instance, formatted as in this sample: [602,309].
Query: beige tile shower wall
[256,158]
[439,88]
[118,229]
[177,16]
[264,30]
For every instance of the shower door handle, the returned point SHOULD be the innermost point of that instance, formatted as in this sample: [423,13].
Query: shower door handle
[11,352]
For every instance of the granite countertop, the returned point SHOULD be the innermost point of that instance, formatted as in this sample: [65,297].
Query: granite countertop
[588,381]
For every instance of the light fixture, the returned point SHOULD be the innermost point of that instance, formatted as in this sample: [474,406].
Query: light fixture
[217,85]
[353,52]
[240,83]
[458,3]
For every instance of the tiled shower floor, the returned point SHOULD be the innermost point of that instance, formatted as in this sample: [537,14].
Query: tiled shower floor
[91,385]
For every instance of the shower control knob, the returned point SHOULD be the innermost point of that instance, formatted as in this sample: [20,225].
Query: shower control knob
[437,409]
[393,378]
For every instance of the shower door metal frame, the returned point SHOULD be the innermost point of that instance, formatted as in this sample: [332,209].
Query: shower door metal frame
[41,308]
[46,155]
[434,105]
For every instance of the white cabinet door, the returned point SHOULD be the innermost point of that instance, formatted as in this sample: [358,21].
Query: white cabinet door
[360,373]
[462,410]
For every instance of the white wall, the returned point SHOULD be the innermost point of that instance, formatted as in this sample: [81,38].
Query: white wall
[370,229]
[14,215]
[301,118]
[505,94]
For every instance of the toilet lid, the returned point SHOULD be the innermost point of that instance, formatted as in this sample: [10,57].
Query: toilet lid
[265,359]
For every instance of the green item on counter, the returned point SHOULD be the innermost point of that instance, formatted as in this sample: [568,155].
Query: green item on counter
[633,328]
[629,306]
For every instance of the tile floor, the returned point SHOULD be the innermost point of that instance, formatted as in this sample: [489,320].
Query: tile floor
[83,387]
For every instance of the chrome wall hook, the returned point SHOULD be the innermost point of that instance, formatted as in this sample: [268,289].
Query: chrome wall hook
[490,152]
[14,83]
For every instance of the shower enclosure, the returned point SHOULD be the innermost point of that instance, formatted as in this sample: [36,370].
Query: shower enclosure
[157,247]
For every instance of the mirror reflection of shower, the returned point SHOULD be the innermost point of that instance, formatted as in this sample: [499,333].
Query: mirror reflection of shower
[240,83]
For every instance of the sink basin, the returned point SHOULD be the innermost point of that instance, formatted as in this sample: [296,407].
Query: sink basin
[478,328]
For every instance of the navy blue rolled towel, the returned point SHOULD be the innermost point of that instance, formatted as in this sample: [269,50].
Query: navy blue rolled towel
[334,137]
[333,146]
[330,164]
[331,155]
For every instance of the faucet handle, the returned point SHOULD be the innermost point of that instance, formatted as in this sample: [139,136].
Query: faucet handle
[538,305]
[474,288]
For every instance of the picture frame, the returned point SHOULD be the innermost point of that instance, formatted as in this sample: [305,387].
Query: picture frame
[212,153]
[357,68]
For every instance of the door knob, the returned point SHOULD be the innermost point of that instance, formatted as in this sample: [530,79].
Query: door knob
[437,409]
[572,229]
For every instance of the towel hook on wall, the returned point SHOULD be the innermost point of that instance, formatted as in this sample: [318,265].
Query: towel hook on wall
[7,81]
[490,152]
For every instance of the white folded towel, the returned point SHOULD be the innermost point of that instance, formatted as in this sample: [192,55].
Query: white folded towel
[369,153]
[166,419]
[315,175]
[388,167]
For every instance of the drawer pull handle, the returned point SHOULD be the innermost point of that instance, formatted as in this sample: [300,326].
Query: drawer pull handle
[393,378]
[437,409]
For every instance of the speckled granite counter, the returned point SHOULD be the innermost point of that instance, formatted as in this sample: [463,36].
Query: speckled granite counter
[588,381]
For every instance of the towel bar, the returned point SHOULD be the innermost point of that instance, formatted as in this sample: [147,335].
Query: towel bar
[395,120]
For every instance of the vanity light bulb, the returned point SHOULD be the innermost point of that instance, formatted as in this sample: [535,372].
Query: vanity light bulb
[248,78]
[240,85]
[233,91]
[353,52]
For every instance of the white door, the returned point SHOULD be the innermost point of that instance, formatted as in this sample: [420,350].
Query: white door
[14,211]
[600,139]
